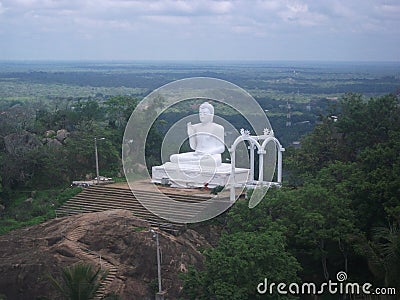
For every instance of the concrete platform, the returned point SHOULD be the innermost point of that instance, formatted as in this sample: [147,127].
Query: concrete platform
[191,177]
[148,186]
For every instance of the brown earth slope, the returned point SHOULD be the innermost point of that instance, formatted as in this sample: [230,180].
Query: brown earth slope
[119,242]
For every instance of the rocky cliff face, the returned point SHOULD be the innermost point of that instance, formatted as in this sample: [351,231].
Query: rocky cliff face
[20,143]
[113,239]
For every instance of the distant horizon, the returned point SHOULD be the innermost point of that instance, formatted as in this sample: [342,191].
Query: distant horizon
[194,61]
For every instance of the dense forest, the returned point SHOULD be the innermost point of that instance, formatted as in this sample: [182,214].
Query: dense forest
[44,147]
[338,211]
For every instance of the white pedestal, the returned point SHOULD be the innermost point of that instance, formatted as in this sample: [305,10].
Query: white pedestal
[189,176]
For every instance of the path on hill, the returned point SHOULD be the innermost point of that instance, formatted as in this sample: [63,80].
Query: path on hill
[186,204]
[80,251]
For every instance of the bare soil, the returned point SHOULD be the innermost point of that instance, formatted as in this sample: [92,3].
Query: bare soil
[111,238]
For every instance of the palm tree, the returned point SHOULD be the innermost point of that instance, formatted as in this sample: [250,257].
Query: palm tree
[79,282]
[387,243]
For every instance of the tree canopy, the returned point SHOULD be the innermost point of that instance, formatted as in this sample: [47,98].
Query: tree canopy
[339,209]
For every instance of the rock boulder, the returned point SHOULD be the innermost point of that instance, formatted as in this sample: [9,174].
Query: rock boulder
[21,142]
[28,255]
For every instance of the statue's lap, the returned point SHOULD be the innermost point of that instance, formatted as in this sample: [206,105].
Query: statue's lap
[192,159]
[191,175]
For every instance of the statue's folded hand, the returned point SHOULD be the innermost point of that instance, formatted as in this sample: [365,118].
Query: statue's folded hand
[190,129]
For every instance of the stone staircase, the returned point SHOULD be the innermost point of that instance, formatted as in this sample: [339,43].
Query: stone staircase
[101,198]
[85,254]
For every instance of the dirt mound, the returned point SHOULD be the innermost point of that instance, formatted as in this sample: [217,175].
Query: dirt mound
[114,240]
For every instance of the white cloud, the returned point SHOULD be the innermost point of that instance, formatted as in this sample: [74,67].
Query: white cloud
[2,9]
[269,5]
[160,7]
[255,21]
[393,9]
[294,12]
[221,7]
[176,20]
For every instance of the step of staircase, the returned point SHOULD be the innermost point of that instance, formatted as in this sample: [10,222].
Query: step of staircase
[102,198]
[74,236]
[132,202]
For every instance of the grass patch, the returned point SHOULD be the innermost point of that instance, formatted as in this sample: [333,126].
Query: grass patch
[119,179]
[7,225]
[40,207]
[139,229]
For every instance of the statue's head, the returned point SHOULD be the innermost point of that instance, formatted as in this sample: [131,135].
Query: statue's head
[206,112]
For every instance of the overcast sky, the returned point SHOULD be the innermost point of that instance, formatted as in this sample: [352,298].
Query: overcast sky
[330,30]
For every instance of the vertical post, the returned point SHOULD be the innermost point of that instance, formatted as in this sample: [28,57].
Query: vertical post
[279,165]
[158,263]
[251,161]
[280,150]
[97,161]
[261,165]
[160,295]
[232,177]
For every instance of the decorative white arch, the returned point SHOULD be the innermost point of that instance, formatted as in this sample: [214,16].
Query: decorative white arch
[254,141]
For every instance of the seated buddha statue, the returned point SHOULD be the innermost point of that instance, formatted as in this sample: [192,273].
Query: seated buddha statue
[205,138]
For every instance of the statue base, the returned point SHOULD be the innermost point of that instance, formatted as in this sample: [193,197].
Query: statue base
[191,176]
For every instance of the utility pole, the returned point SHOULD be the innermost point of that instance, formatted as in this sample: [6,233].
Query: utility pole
[288,115]
[160,294]
[97,159]
[158,264]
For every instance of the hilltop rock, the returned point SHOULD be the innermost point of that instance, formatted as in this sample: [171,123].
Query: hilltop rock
[29,200]
[62,134]
[122,241]
[21,142]
[49,133]
[52,142]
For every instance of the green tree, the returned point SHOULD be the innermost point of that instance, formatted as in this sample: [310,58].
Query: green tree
[387,244]
[80,150]
[318,150]
[360,124]
[89,110]
[119,109]
[319,227]
[383,255]
[371,183]
[49,167]
[365,123]
[353,166]
[239,263]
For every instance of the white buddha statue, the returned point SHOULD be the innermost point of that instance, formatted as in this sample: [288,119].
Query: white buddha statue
[202,166]
[205,138]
